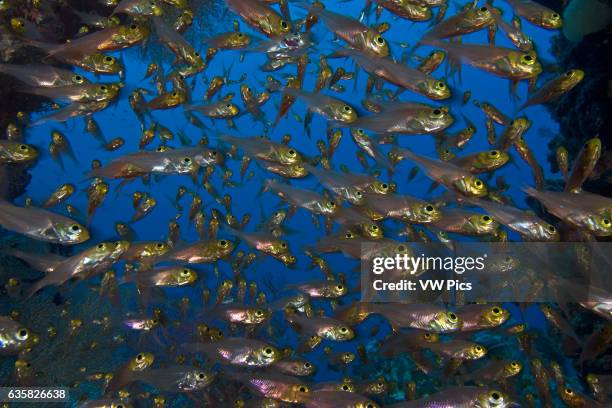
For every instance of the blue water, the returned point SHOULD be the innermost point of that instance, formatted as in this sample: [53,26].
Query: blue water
[119,120]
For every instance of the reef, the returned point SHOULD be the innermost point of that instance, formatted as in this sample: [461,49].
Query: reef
[586,111]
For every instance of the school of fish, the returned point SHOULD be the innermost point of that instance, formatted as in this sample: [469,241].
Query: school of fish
[244,341]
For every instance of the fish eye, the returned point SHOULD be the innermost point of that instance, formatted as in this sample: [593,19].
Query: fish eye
[486,219]
[223,243]
[100,246]
[568,391]
[343,330]
[554,15]
[185,272]
[384,186]
[159,245]
[552,229]
[331,204]
[119,406]
[374,227]
[369,406]
[291,152]
[307,365]
[605,222]
[175,94]
[23,334]
[283,245]
[514,364]
[240,35]
[23,147]
[228,106]
[483,9]
[437,112]
[359,194]
[527,59]
[495,396]
[427,335]
[478,183]
[187,160]
[258,313]
[284,25]
[78,78]
[441,85]
[303,389]
[345,387]
[348,235]
[339,287]
[493,153]
[197,54]
[108,58]
[496,310]
[478,348]
[139,357]
[401,248]
[452,316]
[360,131]
[75,228]
[103,88]
[201,376]
[429,208]
[380,40]
[508,259]
[568,73]
[133,27]
[347,108]
[268,351]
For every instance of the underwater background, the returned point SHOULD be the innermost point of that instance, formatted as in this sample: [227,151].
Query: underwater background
[81,329]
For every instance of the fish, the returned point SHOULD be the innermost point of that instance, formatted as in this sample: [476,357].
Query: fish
[464,222]
[108,39]
[182,379]
[401,207]
[238,351]
[61,194]
[461,396]
[408,119]
[412,11]
[537,14]
[530,227]
[260,17]
[554,88]
[575,210]
[356,34]
[88,262]
[276,386]
[200,252]
[467,21]
[401,75]
[43,75]
[482,162]
[175,161]
[14,337]
[143,8]
[583,165]
[83,94]
[330,108]
[17,152]
[500,61]
[41,224]
[449,175]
